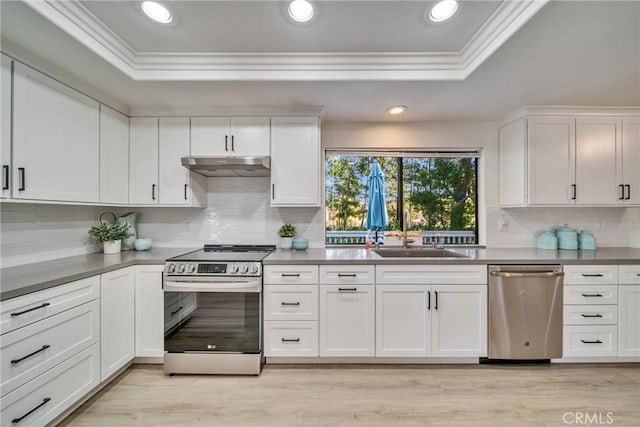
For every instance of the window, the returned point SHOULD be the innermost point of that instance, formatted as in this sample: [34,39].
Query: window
[439,190]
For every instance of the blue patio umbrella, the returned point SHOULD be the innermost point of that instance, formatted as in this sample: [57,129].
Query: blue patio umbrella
[377,218]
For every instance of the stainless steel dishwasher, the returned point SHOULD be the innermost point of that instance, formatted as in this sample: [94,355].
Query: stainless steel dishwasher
[525,312]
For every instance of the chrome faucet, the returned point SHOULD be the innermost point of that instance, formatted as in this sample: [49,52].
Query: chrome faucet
[405,224]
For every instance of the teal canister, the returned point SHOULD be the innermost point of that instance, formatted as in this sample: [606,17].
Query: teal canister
[586,241]
[567,238]
[547,240]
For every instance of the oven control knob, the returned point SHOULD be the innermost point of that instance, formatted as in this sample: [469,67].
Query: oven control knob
[233,269]
[244,268]
[254,268]
[191,268]
[171,268]
[180,268]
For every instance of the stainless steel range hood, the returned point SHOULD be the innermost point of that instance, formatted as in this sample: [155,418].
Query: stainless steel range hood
[228,166]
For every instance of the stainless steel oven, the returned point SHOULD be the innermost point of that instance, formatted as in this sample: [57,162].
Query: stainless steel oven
[213,311]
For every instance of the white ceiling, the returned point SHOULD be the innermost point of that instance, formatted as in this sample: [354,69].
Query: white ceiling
[568,53]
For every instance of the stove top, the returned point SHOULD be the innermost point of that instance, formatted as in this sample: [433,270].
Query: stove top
[230,253]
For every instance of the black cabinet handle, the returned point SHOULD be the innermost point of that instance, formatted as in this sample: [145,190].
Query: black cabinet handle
[233,148]
[43,305]
[273,191]
[591,315]
[628,187]
[347,289]
[153,191]
[591,342]
[592,295]
[290,274]
[173,313]
[22,182]
[346,274]
[297,303]
[16,361]
[428,300]
[185,191]
[436,306]
[44,402]
[621,188]
[5,177]
[290,339]
[592,275]
[573,191]
[226,144]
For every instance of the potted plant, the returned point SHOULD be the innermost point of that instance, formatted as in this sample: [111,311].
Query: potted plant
[110,235]
[286,233]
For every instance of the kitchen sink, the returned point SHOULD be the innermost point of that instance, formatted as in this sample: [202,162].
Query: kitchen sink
[417,253]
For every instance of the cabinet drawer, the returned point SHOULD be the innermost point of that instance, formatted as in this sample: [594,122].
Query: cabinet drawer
[286,302]
[590,274]
[21,311]
[291,338]
[603,294]
[590,314]
[347,274]
[431,274]
[629,274]
[291,275]
[590,341]
[44,344]
[54,391]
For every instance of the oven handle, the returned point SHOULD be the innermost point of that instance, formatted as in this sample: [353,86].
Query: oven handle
[254,286]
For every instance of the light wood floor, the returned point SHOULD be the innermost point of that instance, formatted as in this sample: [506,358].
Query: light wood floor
[478,395]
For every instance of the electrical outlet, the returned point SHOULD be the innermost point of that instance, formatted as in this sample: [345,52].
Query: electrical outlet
[310,227]
[601,225]
[503,223]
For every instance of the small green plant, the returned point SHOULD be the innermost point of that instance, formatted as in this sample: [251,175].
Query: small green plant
[110,232]
[287,230]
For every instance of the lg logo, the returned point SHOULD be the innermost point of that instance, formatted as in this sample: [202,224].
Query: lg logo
[588,418]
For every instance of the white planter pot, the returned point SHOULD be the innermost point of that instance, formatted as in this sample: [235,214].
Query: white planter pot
[286,242]
[112,247]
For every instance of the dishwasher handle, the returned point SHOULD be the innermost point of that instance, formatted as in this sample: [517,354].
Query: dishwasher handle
[528,274]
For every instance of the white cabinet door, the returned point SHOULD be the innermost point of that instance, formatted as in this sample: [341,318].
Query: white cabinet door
[598,144]
[513,163]
[629,321]
[56,150]
[347,320]
[210,136]
[249,136]
[631,159]
[403,320]
[295,161]
[114,156]
[459,321]
[551,160]
[117,295]
[173,145]
[143,161]
[149,309]
[5,125]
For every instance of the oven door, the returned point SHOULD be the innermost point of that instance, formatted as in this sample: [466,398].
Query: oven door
[213,315]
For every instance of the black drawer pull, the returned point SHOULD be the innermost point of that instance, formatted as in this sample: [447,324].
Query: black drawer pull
[44,402]
[290,274]
[297,303]
[591,315]
[173,313]
[592,275]
[591,342]
[290,339]
[347,275]
[43,305]
[16,361]
[592,295]
[347,289]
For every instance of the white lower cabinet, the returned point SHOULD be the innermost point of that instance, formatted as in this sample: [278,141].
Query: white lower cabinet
[290,338]
[347,320]
[117,320]
[590,341]
[149,311]
[629,321]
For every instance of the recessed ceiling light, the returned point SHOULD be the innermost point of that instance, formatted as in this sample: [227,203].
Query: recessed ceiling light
[301,10]
[397,109]
[157,12]
[443,10]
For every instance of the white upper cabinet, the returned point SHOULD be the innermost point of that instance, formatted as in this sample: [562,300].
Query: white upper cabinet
[174,144]
[143,161]
[55,140]
[5,125]
[230,136]
[513,163]
[295,161]
[114,156]
[598,143]
[630,178]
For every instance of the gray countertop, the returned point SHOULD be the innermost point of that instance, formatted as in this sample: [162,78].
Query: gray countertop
[24,279]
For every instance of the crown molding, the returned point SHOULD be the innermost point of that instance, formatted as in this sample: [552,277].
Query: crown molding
[81,24]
